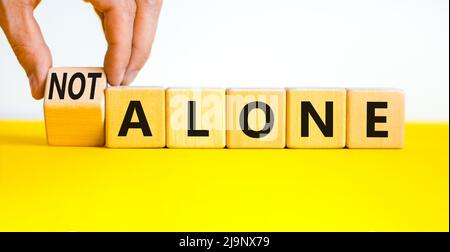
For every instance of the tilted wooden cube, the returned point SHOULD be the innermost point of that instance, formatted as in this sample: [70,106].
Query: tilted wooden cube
[316,118]
[195,118]
[135,117]
[375,118]
[256,118]
[74,106]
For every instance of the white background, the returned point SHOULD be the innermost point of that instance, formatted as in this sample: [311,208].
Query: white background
[262,43]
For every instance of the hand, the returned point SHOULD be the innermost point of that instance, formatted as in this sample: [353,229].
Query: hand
[129,26]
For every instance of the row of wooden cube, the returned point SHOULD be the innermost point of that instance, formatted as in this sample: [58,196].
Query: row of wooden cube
[147,117]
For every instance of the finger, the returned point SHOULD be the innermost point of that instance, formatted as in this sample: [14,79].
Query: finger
[101,17]
[118,18]
[99,14]
[27,42]
[144,30]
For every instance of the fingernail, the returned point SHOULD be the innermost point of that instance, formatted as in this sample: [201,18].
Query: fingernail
[129,77]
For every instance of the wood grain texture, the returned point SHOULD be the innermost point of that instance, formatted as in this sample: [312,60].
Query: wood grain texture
[358,106]
[318,99]
[257,119]
[75,112]
[209,113]
[119,100]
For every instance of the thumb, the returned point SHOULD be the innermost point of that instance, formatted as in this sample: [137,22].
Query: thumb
[27,42]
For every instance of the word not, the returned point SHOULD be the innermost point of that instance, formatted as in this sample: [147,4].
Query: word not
[80,110]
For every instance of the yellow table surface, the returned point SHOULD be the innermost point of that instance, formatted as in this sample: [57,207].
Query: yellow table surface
[46,188]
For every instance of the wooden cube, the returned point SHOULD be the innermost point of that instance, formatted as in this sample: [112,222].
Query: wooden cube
[135,117]
[375,118]
[256,118]
[74,106]
[316,118]
[195,118]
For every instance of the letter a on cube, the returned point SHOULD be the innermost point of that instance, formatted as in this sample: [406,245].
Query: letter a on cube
[74,106]
[135,117]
